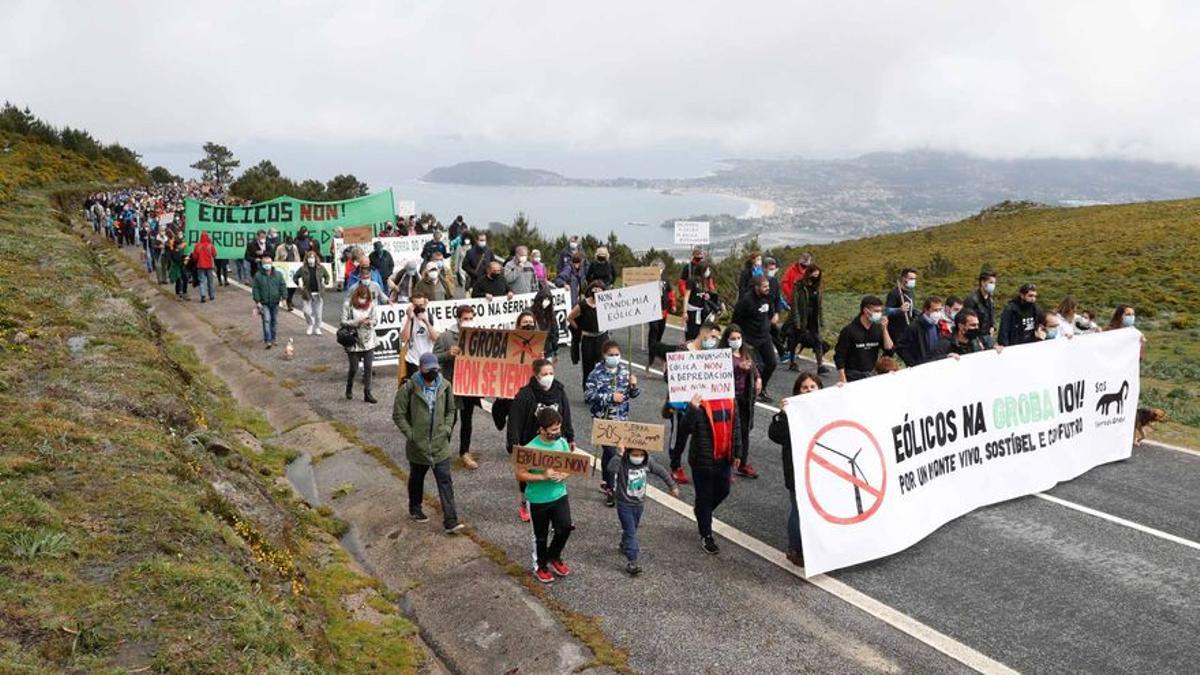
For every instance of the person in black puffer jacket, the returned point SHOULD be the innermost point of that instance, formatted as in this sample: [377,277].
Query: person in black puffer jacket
[779,432]
[1020,318]
[715,449]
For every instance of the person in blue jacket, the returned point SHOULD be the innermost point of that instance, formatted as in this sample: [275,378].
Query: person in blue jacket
[609,388]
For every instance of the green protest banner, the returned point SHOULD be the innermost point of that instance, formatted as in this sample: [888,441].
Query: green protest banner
[232,227]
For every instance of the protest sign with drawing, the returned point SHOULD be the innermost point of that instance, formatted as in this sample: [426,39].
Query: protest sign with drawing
[630,306]
[691,231]
[495,362]
[648,437]
[708,372]
[572,463]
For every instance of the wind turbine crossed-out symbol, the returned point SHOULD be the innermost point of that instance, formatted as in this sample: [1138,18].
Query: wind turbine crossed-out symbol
[855,470]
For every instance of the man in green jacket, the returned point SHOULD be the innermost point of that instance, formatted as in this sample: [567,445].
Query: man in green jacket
[424,412]
[267,289]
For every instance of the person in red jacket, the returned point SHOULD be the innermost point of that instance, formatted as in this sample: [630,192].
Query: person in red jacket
[795,273]
[205,255]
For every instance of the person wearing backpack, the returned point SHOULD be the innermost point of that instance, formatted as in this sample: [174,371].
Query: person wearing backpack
[425,413]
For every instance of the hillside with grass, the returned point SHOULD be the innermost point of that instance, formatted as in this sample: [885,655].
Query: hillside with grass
[144,527]
[1144,254]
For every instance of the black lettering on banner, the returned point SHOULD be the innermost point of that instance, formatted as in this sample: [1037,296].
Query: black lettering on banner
[272,213]
[285,212]
[205,213]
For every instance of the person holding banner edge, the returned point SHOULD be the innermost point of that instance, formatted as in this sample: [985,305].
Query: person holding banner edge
[779,431]
[607,391]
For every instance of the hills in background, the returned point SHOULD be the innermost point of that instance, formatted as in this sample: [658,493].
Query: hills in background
[884,191]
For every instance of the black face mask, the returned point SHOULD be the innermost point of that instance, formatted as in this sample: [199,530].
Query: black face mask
[527,327]
[419,309]
[972,333]
[430,376]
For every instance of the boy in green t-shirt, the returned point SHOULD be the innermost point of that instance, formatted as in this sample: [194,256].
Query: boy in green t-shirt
[546,493]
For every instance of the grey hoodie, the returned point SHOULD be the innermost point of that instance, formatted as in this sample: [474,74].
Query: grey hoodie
[631,479]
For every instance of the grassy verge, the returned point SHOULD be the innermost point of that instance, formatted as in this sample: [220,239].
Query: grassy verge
[123,544]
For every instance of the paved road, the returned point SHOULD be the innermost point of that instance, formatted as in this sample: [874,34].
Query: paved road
[1030,583]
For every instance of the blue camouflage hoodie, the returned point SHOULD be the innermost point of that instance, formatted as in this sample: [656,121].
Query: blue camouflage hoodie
[602,383]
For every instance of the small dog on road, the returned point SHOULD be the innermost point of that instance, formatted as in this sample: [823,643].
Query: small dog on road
[1146,417]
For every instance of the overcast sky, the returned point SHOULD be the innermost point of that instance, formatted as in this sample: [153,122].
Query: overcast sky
[628,88]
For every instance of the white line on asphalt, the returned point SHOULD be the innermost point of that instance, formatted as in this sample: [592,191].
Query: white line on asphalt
[1176,448]
[1120,521]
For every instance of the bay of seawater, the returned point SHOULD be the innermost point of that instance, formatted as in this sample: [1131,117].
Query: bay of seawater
[570,210]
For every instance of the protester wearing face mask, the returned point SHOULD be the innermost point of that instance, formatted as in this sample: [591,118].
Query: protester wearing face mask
[953,306]
[1020,318]
[568,252]
[539,269]
[1085,322]
[900,307]
[447,348]
[1123,317]
[476,261]
[573,277]
[544,318]
[607,391]
[922,341]
[1049,328]
[543,391]
[492,284]
[361,313]
[967,338]
[708,336]
[365,274]
[583,319]
[780,432]
[689,270]
[256,249]
[755,314]
[747,384]
[714,450]
[268,289]
[548,503]
[518,272]
[807,319]
[631,469]
[659,326]
[311,278]
[417,332]
[751,271]
[602,268]
[403,284]
[434,284]
[859,343]
[701,300]
[424,412]
[381,260]
[982,302]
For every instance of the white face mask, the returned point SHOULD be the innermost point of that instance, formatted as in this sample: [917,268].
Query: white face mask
[636,460]
[709,343]
[465,323]
[707,273]
[521,259]
[545,303]
[936,316]
[312,262]
[537,258]
[990,288]
[433,275]
[546,381]
[911,283]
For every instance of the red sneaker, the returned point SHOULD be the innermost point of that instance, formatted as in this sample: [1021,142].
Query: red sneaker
[680,477]
[560,568]
[523,512]
[747,471]
[543,575]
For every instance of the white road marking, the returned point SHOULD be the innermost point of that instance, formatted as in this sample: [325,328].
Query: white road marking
[1168,446]
[1120,521]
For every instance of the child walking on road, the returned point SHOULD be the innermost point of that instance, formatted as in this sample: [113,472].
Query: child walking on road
[630,470]
[546,492]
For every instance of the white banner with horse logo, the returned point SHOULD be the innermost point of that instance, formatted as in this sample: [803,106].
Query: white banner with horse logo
[883,462]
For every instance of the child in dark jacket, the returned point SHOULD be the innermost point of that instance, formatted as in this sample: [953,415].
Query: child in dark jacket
[630,470]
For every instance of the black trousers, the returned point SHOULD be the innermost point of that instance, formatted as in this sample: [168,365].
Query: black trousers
[745,413]
[223,271]
[590,354]
[712,487]
[657,328]
[768,360]
[368,359]
[542,516]
[466,408]
[682,434]
[445,488]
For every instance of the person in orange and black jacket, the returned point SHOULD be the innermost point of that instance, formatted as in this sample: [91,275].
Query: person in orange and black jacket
[715,450]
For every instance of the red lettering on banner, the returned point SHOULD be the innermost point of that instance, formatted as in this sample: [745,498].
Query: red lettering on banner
[305,212]
[331,212]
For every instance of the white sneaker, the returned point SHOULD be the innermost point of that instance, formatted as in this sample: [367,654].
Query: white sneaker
[309,330]
[319,331]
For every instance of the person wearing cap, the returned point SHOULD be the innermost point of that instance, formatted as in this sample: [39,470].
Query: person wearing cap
[425,414]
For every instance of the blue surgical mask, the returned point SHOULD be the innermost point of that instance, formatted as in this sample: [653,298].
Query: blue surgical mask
[876,317]
[1128,320]
[736,343]
[990,288]
[911,283]
[612,361]
[709,343]
[1051,333]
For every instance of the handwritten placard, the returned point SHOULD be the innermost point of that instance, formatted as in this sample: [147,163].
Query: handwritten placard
[691,231]
[630,306]
[708,372]
[573,463]
[648,437]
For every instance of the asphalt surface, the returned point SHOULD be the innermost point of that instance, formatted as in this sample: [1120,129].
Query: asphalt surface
[1032,584]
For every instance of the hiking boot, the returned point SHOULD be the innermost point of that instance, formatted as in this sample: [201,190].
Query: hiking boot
[455,528]
[369,398]
[763,397]
[796,558]
[418,516]
[468,461]
[543,575]
[709,545]
[824,370]
[560,568]
[793,366]
[523,512]
[610,499]
[632,568]
[349,392]
[747,471]
[679,476]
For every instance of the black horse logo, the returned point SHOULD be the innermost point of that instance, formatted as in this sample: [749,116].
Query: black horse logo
[1117,397]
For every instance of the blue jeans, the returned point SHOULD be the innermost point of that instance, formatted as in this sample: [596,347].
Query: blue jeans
[241,268]
[208,283]
[269,314]
[631,517]
[793,524]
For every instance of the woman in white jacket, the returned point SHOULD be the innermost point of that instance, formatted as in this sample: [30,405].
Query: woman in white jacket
[362,314]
